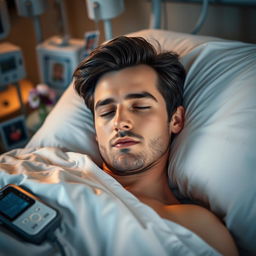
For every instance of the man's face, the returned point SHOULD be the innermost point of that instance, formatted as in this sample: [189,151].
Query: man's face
[131,121]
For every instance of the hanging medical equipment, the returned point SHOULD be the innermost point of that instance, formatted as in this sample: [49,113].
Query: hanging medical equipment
[64,29]
[58,56]
[33,9]
[105,11]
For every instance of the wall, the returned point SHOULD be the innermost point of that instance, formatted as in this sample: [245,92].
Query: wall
[227,21]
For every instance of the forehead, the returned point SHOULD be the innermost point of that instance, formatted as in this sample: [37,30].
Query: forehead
[118,84]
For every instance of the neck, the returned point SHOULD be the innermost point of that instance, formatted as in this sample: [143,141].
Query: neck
[151,184]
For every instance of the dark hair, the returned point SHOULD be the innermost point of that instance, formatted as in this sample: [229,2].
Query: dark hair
[123,52]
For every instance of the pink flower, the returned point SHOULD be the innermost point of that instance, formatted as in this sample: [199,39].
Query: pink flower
[33,99]
[43,89]
[41,95]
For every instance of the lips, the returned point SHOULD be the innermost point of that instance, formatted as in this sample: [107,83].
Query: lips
[125,142]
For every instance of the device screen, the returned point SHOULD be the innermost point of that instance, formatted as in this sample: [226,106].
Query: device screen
[12,205]
[8,65]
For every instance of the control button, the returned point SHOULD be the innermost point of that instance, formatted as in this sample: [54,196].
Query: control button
[25,221]
[46,215]
[37,209]
[35,217]
[34,226]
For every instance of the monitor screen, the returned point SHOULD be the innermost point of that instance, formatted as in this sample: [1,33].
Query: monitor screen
[12,204]
[8,65]
[58,71]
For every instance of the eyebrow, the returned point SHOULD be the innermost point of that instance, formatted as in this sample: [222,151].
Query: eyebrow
[129,96]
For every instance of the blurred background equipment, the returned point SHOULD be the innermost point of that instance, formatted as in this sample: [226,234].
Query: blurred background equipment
[105,10]
[11,64]
[4,20]
[33,9]
[57,61]
[58,56]
[12,68]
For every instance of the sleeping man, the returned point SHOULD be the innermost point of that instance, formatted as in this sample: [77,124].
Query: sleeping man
[135,95]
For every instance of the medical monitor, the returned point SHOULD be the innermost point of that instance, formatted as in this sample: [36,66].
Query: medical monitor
[12,68]
[4,20]
[57,62]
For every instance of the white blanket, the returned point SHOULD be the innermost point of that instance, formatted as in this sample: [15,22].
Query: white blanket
[99,217]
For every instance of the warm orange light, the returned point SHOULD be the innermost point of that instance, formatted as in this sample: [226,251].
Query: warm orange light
[9,100]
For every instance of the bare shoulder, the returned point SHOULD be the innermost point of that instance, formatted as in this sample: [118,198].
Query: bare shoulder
[199,220]
[206,225]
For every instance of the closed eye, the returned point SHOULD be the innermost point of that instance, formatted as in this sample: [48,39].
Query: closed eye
[106,114]
[142,107]
[112,112]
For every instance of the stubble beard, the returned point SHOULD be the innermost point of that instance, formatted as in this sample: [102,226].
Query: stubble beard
[127,163]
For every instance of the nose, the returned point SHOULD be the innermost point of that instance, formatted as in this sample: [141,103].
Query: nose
[122,121]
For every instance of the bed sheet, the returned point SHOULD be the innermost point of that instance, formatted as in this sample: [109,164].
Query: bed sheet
[99,217]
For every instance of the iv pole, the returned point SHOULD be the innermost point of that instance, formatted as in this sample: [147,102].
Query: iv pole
[64,23]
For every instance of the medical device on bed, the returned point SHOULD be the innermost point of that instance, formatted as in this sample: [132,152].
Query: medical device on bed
[26,215]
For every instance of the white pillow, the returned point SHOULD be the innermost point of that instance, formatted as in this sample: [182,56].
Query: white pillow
[213,159]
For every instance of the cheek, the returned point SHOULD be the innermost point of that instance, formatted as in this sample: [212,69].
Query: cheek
[156,120]
[103,136]
[155,126]
[102,133]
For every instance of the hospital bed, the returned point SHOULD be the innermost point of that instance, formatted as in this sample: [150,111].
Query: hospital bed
[212,163]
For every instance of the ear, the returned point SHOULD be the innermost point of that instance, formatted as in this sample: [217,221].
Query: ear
[96,138]
[177,120]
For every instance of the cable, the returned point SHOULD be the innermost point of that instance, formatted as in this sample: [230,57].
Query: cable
[61,248]
[202,17]
[51,237]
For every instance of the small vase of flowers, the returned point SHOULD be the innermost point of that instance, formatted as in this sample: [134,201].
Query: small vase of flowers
[42,98]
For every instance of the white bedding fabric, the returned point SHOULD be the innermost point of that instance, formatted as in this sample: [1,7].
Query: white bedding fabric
[99,217]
